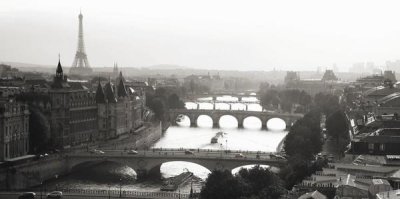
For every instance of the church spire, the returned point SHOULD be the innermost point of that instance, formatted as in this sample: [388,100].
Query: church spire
[59,71]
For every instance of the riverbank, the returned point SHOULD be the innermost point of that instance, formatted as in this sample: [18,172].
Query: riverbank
[142,138]
[281,144]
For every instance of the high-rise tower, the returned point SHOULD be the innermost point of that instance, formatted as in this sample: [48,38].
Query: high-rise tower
[81,64]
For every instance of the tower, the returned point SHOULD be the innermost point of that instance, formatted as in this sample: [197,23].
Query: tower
[80,66]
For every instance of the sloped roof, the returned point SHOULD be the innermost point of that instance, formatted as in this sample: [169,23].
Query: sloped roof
[100,97]
[371,90]
[77,86]
[121,87]
[315,195]
[382,91]
[109,93]
[389,98]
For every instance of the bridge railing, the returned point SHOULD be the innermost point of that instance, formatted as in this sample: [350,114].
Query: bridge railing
[198,150]
[126,193]
[110,192]
[196,154]
[212,150]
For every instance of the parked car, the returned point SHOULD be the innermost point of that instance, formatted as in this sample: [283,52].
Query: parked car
[331,158]
[132,152]
[189,152]
[277,157]
[96,151]
[27,195]
[239,155]
[55,194]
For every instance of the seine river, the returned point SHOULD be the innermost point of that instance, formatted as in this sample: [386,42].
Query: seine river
[111,175]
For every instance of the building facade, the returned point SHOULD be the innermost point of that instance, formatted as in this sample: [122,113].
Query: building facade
[119,109]
[14,130]
[73,117]
[328,84]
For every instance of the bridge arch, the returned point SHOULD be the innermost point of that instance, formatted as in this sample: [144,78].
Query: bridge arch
[183,120]
[204,120]
[276,124]
[177,167]
[94,167]
[227,121]
[248,166]
[252,122]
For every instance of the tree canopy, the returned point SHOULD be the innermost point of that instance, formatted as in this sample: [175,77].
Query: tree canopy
[254,183]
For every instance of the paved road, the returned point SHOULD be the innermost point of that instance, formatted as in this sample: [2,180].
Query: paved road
[181,153]
[67,196]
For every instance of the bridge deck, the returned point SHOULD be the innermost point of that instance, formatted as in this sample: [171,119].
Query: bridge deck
[251,157]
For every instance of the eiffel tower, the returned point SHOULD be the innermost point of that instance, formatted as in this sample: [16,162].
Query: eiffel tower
[81,64]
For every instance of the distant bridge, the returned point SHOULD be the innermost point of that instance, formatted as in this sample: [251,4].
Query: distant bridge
[214,96]
[240,115]
[148,163]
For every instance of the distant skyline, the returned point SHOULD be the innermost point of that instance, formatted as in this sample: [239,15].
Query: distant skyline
[208,34]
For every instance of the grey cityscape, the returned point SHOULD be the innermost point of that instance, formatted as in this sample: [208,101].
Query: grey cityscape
[178,99]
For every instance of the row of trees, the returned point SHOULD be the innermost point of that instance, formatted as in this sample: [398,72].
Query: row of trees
[161,100]
[305,138]
[273,98]
[302,143]
[254,183]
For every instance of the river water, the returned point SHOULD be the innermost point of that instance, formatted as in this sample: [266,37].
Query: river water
[110,175]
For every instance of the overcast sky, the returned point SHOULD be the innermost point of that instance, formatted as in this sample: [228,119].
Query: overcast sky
[210,34]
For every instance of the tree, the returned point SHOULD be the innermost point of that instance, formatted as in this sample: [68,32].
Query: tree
[39,129]
[327,103]
[259,180]
[304,137]
[221,185]
[338,127]
[174,102]
[159,108]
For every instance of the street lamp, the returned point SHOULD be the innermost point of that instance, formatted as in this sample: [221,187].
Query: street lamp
[41,189]
[120,187]
[109,187]
[56,177]
[221,149]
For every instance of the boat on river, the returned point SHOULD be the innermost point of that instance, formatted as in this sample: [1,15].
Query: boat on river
[173,183]
[217,136]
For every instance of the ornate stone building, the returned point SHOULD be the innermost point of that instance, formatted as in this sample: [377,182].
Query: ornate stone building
[119,109]
[327,84]
[73,117]
[14,129]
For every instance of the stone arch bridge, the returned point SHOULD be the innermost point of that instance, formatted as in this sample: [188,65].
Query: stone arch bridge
[240,115]
[148,163]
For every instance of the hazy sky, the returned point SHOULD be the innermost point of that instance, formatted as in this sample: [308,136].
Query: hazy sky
[211,34]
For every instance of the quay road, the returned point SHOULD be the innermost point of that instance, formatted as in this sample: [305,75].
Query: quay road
[102,194]
[200,153]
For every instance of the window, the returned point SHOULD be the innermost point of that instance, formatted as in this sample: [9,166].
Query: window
[382,147]
[370,146]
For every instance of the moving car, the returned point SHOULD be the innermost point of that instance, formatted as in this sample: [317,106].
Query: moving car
[132,152]
[239,155]
[189,152]
[55,194]
[27,195]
